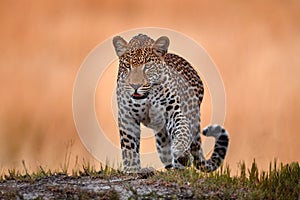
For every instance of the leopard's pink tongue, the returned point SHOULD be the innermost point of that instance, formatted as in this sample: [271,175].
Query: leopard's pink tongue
[136,95]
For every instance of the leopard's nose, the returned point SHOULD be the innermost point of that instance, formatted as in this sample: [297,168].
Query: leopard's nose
[135,86]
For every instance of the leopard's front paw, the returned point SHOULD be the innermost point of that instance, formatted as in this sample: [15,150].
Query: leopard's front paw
[131,170]
[142,172]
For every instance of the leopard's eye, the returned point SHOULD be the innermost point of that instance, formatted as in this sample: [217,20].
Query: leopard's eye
[123,72]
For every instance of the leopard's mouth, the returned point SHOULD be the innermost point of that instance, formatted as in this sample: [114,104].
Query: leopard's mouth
[136,95]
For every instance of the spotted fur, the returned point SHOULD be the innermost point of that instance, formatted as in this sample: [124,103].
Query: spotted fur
[162,91]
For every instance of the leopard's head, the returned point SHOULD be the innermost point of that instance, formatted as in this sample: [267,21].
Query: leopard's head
[141,63]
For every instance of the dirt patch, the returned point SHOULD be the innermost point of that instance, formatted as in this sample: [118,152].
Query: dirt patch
[126,187]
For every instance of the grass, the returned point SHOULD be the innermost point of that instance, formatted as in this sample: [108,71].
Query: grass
[86,170]
[281,181]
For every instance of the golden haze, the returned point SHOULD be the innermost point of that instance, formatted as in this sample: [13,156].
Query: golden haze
[255,44]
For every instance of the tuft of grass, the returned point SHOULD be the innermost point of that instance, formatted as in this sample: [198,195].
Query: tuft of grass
[104,171]
[280,183]
[67,157]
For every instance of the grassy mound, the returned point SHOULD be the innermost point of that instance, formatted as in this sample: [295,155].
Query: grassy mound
[281,181]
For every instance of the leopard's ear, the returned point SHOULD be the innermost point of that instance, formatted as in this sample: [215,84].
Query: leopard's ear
[160,47]
[120,45]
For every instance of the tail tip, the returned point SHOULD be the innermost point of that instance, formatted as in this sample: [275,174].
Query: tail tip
[214,130]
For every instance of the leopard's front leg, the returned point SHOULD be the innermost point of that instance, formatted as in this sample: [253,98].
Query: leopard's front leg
[130,144]
[178,129]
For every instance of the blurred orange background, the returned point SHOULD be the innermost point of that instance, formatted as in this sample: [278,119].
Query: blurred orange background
[255,44]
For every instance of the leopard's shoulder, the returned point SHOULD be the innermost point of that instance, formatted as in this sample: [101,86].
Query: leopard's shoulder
[186,70]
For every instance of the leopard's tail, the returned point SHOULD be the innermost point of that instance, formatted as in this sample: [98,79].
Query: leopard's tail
[220,149]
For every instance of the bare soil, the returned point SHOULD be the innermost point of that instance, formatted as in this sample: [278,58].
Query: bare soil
[86,187]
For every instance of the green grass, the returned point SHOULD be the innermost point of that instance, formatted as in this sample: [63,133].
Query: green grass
[281,181]
[87,169]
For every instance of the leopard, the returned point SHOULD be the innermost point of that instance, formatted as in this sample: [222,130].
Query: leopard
[162,91]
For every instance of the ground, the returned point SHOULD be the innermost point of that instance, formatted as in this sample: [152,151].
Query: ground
[63,187]
[280,182]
